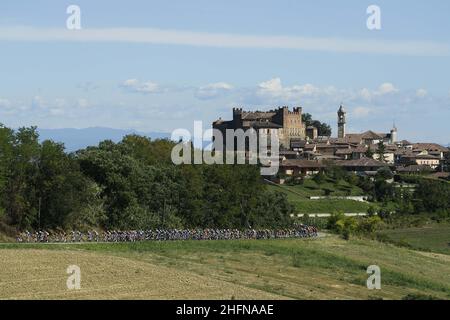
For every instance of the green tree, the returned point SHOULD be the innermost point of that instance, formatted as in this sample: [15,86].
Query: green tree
[369,225]
[127,185]
[447,162]
[384,174]
[323,129]
[433,195]
[369,153]
[65,196]
[381,150]
[20,197]
[307,119]
[342,225]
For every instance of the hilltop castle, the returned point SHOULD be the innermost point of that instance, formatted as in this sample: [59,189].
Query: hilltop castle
[288,124]
[303,151]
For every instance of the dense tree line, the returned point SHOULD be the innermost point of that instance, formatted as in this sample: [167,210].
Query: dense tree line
[432,196]
[126,185]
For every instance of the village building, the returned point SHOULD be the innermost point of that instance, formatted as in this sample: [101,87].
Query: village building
[421,159]
[301,167]
[285,123]
[303,152]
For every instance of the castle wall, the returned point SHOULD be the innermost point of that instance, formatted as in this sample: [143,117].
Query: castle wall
[291,121]
[293,126]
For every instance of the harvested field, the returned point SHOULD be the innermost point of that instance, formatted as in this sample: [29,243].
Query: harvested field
[41,274]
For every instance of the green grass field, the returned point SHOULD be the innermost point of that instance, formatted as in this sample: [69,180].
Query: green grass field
[299,195]
[324,268]
[329,206]
[434,237]
[311,188]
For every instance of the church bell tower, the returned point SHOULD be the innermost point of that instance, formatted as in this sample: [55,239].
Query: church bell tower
[341,122]
[394,136]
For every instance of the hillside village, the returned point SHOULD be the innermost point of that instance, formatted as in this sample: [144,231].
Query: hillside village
[304,152]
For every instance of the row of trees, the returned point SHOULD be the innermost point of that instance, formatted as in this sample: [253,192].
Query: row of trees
[126,185]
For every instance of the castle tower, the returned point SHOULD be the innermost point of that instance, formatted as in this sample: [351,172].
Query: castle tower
[394,136]
[341,122]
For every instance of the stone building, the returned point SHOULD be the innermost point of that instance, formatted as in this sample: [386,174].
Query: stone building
[312,132]
[288,124]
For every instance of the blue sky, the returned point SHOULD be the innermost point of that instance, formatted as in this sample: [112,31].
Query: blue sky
[195,60]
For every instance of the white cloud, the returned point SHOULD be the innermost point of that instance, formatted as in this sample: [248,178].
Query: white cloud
[60,103]
[274,89]
[82,103]
[42,106]
[38,102]
[421,93]
[134,85]
[361,112]
[387,88]
[7,107]
[386,103]
[56,111]
[207,39]
[87,86]
[272,86]
[213,90]
[5,103]
[366,94]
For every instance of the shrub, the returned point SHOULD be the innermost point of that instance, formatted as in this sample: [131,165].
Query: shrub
[342,225]
[371,211]
[384,173]
[370,224]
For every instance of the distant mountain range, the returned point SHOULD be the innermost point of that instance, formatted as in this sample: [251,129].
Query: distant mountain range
[75,139]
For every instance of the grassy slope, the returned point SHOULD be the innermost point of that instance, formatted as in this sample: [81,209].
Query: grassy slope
[311,188]
[434,237]
[329,206]
[299,196]
[327,268]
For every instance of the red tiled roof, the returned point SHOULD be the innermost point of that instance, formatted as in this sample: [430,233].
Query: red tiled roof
[363,162]
[430,147]
[301,163]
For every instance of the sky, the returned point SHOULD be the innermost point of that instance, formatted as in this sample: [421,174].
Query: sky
[161,65]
